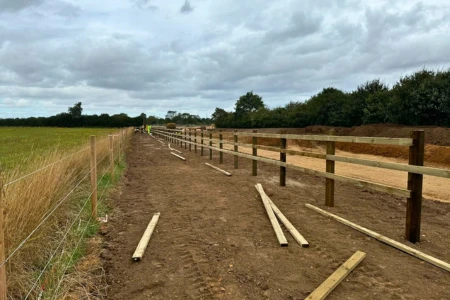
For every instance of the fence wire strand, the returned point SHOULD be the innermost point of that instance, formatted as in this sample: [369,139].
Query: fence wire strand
[45,218]
[62,240]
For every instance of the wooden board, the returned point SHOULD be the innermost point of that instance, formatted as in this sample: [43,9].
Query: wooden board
[295,234]
[180,157]
[425,257]
[174,149]
[218,169]
[276,226]
[327,138]
[393,166]
[140,249]
[333,281]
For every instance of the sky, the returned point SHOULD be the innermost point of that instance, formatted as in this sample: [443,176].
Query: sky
[151,56]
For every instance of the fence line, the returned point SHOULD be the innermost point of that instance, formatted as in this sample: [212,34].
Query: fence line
[415,168]
[118,146]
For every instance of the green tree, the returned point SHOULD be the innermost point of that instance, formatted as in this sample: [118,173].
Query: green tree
[76,111]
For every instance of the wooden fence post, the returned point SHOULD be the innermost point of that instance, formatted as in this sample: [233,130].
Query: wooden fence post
[283,159]
[3,288]
[210,145]
[329,188]
[220,147]
[185,139]
[415,183]
[195,141]
[254,153]
[111,155]
[236,149]
[190,140]
[201,139]
[181,139]
[94,177]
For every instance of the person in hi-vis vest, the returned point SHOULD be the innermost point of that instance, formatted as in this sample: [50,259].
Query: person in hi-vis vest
[149,128]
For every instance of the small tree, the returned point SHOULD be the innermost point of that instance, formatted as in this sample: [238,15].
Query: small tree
[75,111]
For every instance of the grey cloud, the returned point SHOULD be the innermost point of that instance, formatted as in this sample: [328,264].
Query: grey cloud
[300,25]
[186,8]
[118,58]
[145,4]
[17,5]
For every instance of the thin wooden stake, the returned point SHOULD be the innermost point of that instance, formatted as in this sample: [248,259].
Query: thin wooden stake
[329,188]
[111,155]
[333,281]
[236,149]
[415,184]
[3,287]
[220,147]
[411,251]
[273,220]
[93,177]
[137,256]
[254,153]
[218,169]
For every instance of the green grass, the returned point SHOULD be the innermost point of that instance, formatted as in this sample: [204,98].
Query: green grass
[19,145]
[65,264]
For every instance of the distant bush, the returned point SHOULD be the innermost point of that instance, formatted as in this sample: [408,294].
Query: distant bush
[171,125]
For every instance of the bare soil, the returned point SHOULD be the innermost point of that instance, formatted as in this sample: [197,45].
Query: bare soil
[214,240]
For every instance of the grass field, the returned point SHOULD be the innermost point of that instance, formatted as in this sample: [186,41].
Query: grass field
[20,145]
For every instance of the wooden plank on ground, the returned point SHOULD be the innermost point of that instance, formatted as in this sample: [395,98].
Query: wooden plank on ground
[425,257]
[219,169]
[276,226]
[137,256]
[295,234]
[174,149]
[180,157]
[332,282]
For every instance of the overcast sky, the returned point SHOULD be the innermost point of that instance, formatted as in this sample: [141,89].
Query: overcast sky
[152,56]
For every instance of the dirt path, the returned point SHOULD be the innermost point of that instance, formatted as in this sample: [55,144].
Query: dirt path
[214,240]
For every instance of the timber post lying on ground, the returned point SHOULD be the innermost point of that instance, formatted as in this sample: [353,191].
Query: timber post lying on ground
[415,168]
[254,153]
[220,147]
[283,160]
[415,184]
[93,177]
[330,166]
[236,149]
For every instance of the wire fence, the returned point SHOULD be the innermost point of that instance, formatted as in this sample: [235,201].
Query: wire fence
[113,149]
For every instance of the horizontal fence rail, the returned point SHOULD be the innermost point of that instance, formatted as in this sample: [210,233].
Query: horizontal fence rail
[415,168]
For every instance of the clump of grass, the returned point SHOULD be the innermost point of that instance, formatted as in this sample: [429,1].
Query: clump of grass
[63,187]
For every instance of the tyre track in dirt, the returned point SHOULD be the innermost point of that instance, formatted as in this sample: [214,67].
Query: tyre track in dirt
[214,241]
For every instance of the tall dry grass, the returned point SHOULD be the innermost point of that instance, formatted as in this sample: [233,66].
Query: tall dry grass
[30,200]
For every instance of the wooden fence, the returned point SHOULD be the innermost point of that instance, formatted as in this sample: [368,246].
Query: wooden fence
[415,168]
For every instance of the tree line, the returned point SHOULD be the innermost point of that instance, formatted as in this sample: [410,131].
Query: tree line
[419,99]
[74,118]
